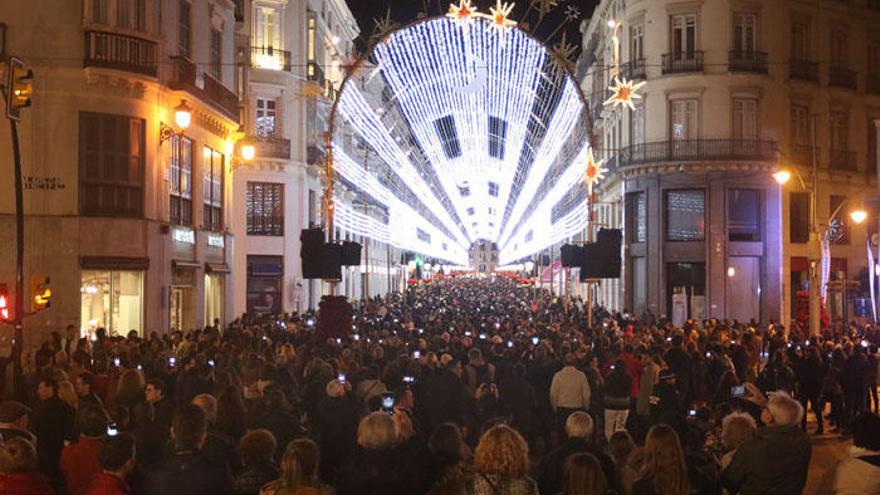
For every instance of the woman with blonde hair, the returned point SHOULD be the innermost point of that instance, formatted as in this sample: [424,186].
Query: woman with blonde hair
[501,462]
[299,471]
[67,393]
[584,476]
[664,471]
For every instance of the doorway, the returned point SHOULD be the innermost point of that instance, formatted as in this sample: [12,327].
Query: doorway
[685,291]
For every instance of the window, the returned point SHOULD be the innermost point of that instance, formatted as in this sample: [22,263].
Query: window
[422,235]
[265,277]
[471,211]
[744,215]
[497,137]
[838,213]
[874,58]
[111,165]
[212,188]
[267,32]
[99,11]
[637,125]
[684,119]
[799,217]
[181,180]
[446,131]
[265,121]
[637,206]
[800,125]
[493,189]
[684,36]
[465,191]
[839,49]
[216,53]
[745,118]
[184,29]
[744,32]
[311,45]
[130,14]
[685,215]
[529,236]
[123,13]
[265,209]
[839,130]
[800,41]
[637,42]
[113,300]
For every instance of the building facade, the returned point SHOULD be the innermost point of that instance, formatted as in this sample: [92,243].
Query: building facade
[484,257]
[127,211]
[732,90]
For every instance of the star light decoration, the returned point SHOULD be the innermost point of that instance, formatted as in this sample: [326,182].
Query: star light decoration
[595,171]
[500,15]
[463,12]
[624,93]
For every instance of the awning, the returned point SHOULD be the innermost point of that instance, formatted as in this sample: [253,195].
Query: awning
[217,268]
[185,264]
[114,263]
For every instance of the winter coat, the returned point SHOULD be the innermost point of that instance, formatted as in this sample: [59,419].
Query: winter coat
[374,472]
[775,461]
[187,472]
[550,471]
[32,483]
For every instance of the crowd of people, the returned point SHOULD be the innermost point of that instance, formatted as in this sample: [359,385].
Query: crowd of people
[459,386]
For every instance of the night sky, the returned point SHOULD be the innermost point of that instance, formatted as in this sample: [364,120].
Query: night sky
[404,11]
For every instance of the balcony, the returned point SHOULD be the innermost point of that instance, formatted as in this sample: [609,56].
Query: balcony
[185,76]
[699,149]
[802,154]
[271,147]
[842,78]
[120,52]
[803,70]
[634,69]
[682,63]
[873,85]
[843,160]
[267,57]
[316,73]
[747,61]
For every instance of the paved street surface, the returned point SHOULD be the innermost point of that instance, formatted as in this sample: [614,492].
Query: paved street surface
[827,450]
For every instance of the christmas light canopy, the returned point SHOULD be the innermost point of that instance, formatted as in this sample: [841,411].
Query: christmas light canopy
[624,92]
[462,127]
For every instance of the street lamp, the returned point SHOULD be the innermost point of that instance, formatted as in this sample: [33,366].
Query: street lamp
[858,216]
[248,152]
[782,177]
[182,117]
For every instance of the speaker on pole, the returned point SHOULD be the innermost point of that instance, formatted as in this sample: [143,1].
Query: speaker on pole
[311,247]
[570,255]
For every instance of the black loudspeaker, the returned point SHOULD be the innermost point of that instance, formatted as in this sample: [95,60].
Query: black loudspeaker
[591,263]
[545,260]
[312,246]
[570,255]
[351,254]
[609,242]
[330,261]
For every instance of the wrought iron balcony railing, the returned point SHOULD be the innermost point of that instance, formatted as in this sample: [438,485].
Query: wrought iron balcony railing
[803,70]
[699,149]
[186,77]
[271,147]
[634,69]
[682,62]
[747,61]
[267,57]
[842,78]
[843,160]
[121,52]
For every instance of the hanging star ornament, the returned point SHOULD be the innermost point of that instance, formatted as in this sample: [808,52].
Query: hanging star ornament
[544,6]
[384,25]
[499,15]
[595,171]
[572,13]
[624,93]
[463,12]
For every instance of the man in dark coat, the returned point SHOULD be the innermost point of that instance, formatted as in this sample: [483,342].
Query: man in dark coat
[579,429]
[683,366]
[337,424]
[854,381]
[54,422]
[447,397]
[188,470]
[777,459]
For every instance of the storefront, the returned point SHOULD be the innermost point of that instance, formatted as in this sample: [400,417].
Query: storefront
[215,292]
[265,276]
[183,291]
[112,295]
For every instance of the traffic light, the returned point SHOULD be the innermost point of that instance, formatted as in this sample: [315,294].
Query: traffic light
[18,88]
[4,303]
[41,294]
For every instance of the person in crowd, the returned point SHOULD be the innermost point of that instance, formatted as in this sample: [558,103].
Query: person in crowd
[378,467]
[257,448]
[187,470]
[855,385]
[79,460]
[737,428]
[627,460]
[447,396]
[584,476]
[54,423]
[150,437]
[569,391]
[276,414]
[664,471]
[518,400]
[84,384]
[451,463]
[370,388]
[129,389]
[478,371]
[67,393]
[299,471]
[118,461]
[501,463]
[618,385]
[154,393]
[219,447]
[231,413]
[776,460]
[18,469]
[648,380]
[14,417]
[810,374]
[337,423]
[579,429]
[860,472]
[682,364]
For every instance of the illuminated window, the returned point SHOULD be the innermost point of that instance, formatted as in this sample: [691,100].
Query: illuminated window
[212,188]
[181,180]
